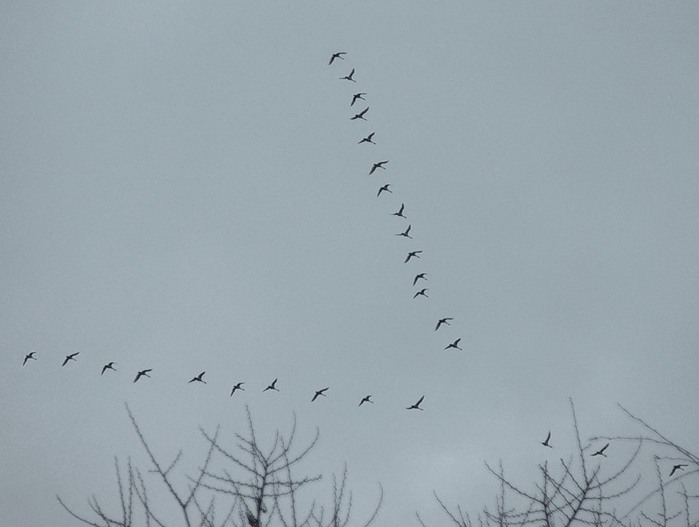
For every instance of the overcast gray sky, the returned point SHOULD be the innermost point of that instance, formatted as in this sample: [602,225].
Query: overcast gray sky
[182,190]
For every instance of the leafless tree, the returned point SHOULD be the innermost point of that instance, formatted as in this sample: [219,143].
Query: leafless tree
[585,492]
[243,485]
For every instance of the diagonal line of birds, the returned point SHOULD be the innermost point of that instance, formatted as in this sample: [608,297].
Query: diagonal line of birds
[379,167]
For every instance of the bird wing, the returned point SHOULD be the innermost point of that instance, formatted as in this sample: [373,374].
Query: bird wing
[419,401]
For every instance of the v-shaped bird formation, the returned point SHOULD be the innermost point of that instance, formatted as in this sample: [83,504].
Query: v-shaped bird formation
[359,113]
[384,192]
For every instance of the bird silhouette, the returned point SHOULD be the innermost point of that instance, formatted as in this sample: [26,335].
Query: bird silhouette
[406,232]
[366,399]
[675,468]
[70,357]
[349,77]
[421,292]
[272,386]
[546,441]
[337,55]
[384,188]
[368,139]
[380,164]
[419,276]
[356,97]
[143,373]
[319,393]
[600,452]
[237,386]
[412,254]
[108,366]
[360,115]
[400,211]
[29,356]
[416,406]
[198,378]
[441,321]
[454,345]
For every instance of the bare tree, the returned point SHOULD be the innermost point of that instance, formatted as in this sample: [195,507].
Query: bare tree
[235,486]
[585,492]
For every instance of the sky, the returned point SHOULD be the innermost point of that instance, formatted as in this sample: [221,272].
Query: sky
[182,190]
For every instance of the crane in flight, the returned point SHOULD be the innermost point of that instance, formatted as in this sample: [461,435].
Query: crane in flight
[319,393]
[441,321]
[237,386]
[70,357]
[198,378]
[29,356]
[349,77]
[143,373]
[416,406]
[272,386]
[338,55]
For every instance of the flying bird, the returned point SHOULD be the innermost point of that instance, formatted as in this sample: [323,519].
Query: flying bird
[143,373]
[368,139]
[400,211]
[600,452]
[28,356]
[406,232]
[380,164]
[421,292]
[272,386]
[419,276]
[545,442]
[675,468]
[412,254]
[384,188]
[108,366]
[441,321]
[454,345]
[70,357]
[198,378]
[337,55]
[349,77]
[237,386]
[416,406]
[360,115]
[366,399]
[319,393]
[356,97]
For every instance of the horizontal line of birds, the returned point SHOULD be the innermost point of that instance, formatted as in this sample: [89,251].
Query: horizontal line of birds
[111,366]
[386,188]
[72,357]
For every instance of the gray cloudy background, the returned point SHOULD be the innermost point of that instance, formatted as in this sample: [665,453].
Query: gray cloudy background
[182,190]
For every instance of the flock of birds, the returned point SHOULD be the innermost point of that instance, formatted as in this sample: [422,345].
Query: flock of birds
[414,254]
[411,255]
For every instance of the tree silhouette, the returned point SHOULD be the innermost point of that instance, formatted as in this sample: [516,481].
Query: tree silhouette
[583,490]
[235,486]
